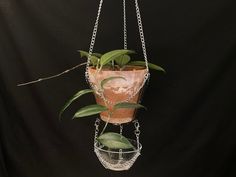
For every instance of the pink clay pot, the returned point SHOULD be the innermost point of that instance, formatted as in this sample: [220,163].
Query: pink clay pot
[118,90]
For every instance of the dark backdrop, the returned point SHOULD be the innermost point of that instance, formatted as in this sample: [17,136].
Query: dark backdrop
[189,129]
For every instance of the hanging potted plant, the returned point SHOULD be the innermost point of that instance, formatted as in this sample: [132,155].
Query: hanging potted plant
[116,81]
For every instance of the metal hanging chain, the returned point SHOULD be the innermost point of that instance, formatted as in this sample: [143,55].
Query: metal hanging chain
[125,25]
[93,40]
[137,132]
[141,33]
[96,124]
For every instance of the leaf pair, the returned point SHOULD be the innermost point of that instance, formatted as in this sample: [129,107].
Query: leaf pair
[115,55]
[76,96]
[96,108]
[92,109]
[85,111]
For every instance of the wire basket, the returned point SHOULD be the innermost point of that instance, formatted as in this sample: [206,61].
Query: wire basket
[117,159]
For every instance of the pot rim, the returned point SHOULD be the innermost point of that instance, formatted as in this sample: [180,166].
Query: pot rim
[133,69]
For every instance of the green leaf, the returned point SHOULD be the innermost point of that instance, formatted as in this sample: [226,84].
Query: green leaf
[127,105]
[97,55]
[150,65]
[104,81]
[94,58]
[83,53]
[122,60]
[90,110]
[112,55]
[76,96]
[115,141]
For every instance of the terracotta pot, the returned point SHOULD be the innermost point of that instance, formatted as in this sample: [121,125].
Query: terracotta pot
[118,90]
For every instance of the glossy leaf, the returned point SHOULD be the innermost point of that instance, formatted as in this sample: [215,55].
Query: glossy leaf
[104,81]
[76,96]
[150,65]
[126,105]
[90,110]
[112,55]
[122,60]
[115,141]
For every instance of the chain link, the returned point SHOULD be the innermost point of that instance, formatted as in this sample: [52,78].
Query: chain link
[93,40]
[96,124]
[125,25]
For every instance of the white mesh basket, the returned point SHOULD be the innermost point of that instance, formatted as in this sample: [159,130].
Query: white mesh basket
[117,159]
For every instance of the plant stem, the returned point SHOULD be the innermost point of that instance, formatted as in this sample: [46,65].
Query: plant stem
[53,76]
[97,67]
[104,128]
[113,64]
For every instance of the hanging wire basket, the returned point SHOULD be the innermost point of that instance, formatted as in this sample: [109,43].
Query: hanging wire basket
[117,159]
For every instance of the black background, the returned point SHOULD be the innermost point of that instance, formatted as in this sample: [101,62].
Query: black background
[189,128]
